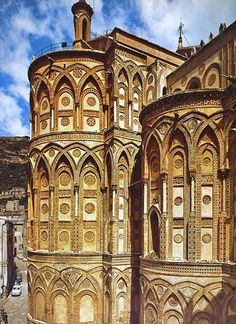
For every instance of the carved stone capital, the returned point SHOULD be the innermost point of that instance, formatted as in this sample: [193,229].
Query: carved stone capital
[164,176]
[76,187]
[103,190]
[192,172]
[51,188]
[112,220]
[164,217]
[35,191]
[114,188]
[145,181]
[223,173]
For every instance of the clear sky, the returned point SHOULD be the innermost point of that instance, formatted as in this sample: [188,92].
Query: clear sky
[26,26]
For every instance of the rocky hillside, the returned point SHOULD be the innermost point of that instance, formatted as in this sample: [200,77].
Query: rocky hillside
[13,162]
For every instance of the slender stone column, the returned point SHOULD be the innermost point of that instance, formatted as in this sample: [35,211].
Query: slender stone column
[52,116]
[115,110]
[192,207]
[130,114]
[164,220]
[105,122]
[76,219]
[145,218]
[103,226]
[76,189]
[77,114]
[223,230]
[113,221]
[51,219]
[191,223]
[164,186]
[36,218]
[36,125]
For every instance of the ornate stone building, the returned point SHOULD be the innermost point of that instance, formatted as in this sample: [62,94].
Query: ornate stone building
[125,228]
[188,270]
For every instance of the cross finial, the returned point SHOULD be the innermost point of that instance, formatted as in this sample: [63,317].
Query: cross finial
[180,29]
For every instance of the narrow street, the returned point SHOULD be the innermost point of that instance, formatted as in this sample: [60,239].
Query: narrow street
[16,306]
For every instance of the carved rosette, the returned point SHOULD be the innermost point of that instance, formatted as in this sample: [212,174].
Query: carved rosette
[89,180]
[44,181]
[192,124]
[178,201]
[64,236]
[173,302]
[89,208]
[91,101]
[65,121]
[64,208]
[178,238]
[206,238]
[44,105]
[44,235]
[77,73]
[91,121]
[89,236]
[65,101]
[64,179]
[206,200]
[76,153]
[150,79]
[206,161]
[212,79]
[150,314]
[44,124]
[178,163]
[160,290]
[51,153]
[163,128]
[121,285]
[44,209]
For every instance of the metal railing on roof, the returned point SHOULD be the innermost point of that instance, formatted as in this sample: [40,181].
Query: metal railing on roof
[63,46]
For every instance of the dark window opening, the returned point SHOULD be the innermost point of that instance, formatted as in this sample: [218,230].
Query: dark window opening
[84,29]
[155,233]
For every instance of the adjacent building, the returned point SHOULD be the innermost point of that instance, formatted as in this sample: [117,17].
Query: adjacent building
[131,209]
[7,270]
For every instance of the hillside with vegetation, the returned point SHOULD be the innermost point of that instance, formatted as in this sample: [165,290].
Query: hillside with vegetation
[13,162]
